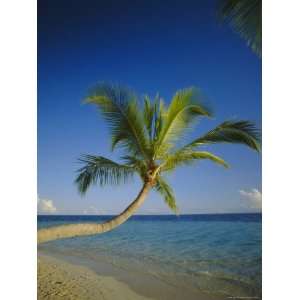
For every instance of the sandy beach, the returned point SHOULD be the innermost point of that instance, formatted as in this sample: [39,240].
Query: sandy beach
[61,280]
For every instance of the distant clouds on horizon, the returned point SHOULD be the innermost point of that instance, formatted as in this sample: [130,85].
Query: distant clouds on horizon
[251,202]
[45,206]
[252,198]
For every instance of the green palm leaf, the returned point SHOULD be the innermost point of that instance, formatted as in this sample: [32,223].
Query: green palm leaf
[244,16]
[148,116]
[186,106]
[153,116]
[98,169]
[159,113]
[167,193]
[119,108]
[137,164]
[235,132]
[187,157]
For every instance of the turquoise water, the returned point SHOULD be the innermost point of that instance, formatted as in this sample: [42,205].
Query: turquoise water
[213,253]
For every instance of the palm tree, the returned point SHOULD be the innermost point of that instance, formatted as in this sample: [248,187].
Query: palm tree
[244,16]
[149,139]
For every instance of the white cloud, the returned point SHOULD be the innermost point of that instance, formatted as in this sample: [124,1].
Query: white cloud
[46,206]
[252,197]
[92,210]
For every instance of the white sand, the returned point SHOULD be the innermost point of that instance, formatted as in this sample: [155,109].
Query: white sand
[60,280]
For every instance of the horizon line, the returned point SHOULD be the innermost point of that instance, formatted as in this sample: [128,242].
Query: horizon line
[185,214]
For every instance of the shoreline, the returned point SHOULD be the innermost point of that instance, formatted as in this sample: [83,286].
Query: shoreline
[62,277]
[58,279]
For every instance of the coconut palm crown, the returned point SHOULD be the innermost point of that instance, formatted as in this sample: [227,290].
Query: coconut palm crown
[150,139]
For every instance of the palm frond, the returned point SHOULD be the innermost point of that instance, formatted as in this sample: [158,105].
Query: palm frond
[137,164]
[167,193]
[187,157]
[153,118]
[186,106]
[98,169]
[159,114]
[244,16]
[149,111]
[119,108]
[234,132]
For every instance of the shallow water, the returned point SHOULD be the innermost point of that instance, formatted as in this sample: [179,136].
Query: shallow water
[218,254]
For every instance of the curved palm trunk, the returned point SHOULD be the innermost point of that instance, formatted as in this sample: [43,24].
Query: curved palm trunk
[72,230]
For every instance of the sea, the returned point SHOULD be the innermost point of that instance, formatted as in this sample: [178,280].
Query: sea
[217,254]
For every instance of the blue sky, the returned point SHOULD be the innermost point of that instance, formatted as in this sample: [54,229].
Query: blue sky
[150,46]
